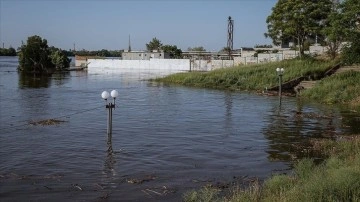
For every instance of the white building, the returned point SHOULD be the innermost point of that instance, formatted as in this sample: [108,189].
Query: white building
[144,55]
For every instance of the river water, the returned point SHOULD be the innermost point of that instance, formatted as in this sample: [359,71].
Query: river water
[166,139]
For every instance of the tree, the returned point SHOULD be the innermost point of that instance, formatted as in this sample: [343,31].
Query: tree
[298,19]
[350,10]
[154,44]
[59,59]
[7,52]
[351,15]
[199,48]
[36,57]
[104,53]
[334,31]
[173,50]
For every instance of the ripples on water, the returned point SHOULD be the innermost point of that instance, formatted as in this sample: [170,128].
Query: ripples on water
[166,139]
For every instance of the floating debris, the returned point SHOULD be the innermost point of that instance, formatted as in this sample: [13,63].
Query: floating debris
[77,186]
[160,191]
[47,122]
[140,181]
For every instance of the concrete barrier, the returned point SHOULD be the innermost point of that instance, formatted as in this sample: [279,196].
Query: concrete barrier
[163,66]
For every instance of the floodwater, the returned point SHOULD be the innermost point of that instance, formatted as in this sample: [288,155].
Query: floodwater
[166,139]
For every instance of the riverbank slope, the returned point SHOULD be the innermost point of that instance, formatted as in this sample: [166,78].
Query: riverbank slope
[342,88]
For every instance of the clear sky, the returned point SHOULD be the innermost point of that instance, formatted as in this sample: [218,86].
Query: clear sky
[107,24]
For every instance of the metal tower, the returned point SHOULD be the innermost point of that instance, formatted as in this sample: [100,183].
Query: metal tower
[230,39]
[129,44]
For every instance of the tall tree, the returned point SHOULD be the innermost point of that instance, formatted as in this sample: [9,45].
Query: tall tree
[298,19]
[173,50]
[154,44]
[334,31]
[37,57]
[351,18]
[34,56]
[351,12]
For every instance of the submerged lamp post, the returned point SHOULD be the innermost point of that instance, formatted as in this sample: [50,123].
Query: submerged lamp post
[280,72]
[110,106]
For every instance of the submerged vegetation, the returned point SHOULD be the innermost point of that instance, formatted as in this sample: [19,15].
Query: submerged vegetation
[336,179]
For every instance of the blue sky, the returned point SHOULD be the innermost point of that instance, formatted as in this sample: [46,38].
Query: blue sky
[107,24]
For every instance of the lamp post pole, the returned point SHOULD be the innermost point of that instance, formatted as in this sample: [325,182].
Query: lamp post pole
[109,106]
[280,72]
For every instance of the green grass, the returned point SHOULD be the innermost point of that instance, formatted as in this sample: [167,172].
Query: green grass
[339,88]
[251,77]
[336,179]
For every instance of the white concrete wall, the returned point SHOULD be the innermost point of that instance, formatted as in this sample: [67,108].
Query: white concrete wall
[152,67]
[208,65]
[270,57]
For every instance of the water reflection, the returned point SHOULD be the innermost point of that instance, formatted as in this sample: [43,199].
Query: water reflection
[228,101]
[34,81]
[42,81]
[109,160]
[290,131]
[60,78]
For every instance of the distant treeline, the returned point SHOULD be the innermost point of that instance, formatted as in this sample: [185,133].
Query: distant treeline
[7,51]
[101,53]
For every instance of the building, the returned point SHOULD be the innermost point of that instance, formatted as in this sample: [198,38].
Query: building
[144,55]
[82,61]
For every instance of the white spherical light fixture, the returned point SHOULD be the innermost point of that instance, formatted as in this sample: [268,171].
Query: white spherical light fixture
[114,93]
[105,95]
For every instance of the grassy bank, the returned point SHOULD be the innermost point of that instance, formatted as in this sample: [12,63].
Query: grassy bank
[336,179]
[343,88]
[251,77]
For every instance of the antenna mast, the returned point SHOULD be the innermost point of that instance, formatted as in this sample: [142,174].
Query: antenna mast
[230,40]
[129,44]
